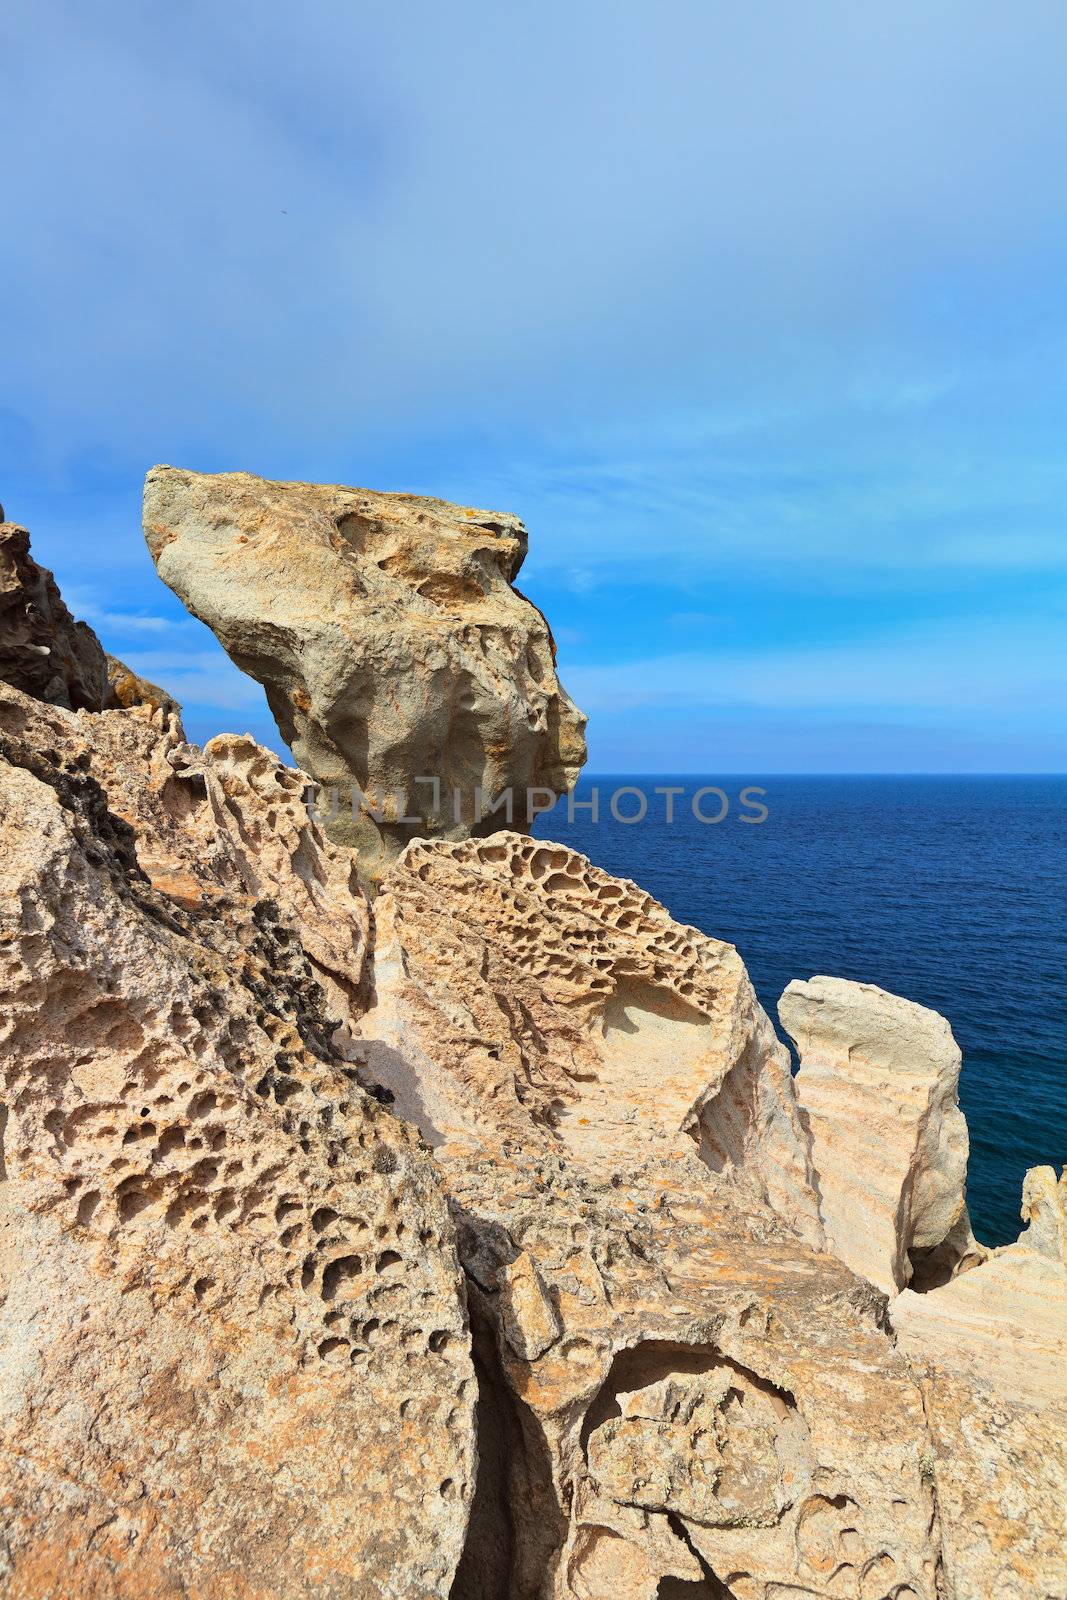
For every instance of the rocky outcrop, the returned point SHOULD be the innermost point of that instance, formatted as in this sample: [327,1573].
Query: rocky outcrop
[258,1342]
[690,1396]
[43,651]
[399,661]
[678,1393]
[990,1352]
[1044,1210]
[522,994]
[126,689]
[234,1357]
[877,1088]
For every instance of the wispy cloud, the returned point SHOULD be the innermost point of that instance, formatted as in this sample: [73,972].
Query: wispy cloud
[1019,670]
[762,325]
[199,680]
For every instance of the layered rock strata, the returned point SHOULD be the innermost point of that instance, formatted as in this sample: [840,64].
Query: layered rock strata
[398,659]
[877,1088]
[989,1350]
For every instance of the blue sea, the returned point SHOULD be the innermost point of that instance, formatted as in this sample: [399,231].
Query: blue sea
[951,891]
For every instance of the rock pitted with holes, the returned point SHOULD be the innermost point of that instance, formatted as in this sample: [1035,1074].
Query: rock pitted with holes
[522,993]
[717,1404]
[234,1357]
[394,649]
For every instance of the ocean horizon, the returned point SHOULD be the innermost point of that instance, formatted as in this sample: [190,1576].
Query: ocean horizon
[947,889]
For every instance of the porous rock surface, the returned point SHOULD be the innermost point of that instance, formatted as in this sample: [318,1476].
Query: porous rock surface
[877,1088]
[681,1394]
[43,650]
[46,653]
[238,1354]
[675,1390]
[522,993]
[390,640]
[234,1358]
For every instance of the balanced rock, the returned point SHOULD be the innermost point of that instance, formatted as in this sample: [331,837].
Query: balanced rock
[877,1088]
[234,1358]
[403,668]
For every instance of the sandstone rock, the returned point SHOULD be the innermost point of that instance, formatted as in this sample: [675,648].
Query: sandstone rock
[43,651]
[1004,1324]
[1044,1210]
[390,641]
[990,1350]
[127,689]
[877,1089]
[721,1408]
[522,994]
[234,1358]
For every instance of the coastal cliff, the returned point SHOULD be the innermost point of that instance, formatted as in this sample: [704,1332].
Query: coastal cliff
[414,1209]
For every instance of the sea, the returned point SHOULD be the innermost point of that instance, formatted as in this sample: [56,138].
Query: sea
[949,890]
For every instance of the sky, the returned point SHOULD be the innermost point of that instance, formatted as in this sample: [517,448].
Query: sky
[755,313]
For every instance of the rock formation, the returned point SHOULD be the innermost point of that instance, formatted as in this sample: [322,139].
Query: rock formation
[877,1088]
[473,1243]
[990,1351]
[43,651]
[46,653]
[1044,1210]
[674,1388]
[523,994]
[233,1349]
[399,661]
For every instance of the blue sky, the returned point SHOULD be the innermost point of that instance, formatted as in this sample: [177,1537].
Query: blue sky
[755,313]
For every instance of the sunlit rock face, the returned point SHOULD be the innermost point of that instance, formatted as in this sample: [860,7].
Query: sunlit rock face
[522,993]
[397,656]
[234,1356]
[473,1243]
[877,1087]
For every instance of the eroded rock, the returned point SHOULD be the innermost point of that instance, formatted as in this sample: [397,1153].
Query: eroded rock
[721,1408]
[394,650]
[1044,1210]
[877,1087]
[44,652]
[990,1351]
[523,994]
[234,1357]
